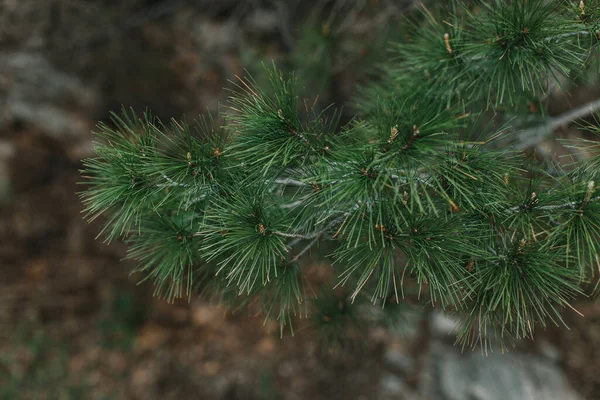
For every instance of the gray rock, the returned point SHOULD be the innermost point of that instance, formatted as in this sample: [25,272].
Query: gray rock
[392,387]
[550,351]
[398,360]
[443,324]
[450,375]
[262,21]
[391,384]
[40,95]
[216,37]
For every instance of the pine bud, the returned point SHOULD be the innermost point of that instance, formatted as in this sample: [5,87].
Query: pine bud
[261,229]
[534,198]
[521,245]
[447,43]
[582,8]
[589,192]
[380,228]
[393,134]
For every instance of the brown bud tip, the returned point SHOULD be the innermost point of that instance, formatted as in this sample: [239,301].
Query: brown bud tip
[470,265]
[532,107]
[453,206]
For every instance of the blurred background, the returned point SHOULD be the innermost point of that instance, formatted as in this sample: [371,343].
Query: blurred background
[74,324]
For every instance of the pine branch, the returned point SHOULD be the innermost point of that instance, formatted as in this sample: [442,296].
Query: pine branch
[417,194]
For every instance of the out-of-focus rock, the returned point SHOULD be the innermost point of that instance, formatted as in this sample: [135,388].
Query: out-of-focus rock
[443,324]
[262,21]
[450,375]
[393,387]
[38,94]
[215,36]
[550,351]
[397,357]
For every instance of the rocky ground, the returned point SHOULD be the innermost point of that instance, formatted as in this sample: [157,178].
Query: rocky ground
[75,324]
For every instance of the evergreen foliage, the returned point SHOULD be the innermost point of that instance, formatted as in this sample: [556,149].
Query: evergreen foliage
[419,196]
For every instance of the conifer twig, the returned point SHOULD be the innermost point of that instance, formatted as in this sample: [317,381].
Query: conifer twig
[465,217]
[571,204]
[316,237]
[533,136]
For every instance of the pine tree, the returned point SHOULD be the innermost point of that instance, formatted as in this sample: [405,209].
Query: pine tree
[425,194]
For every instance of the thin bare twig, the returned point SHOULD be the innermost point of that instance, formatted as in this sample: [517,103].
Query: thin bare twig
[292,235]
[533,136]
[315,239]
[571,204]
[312,235]
[305,249]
